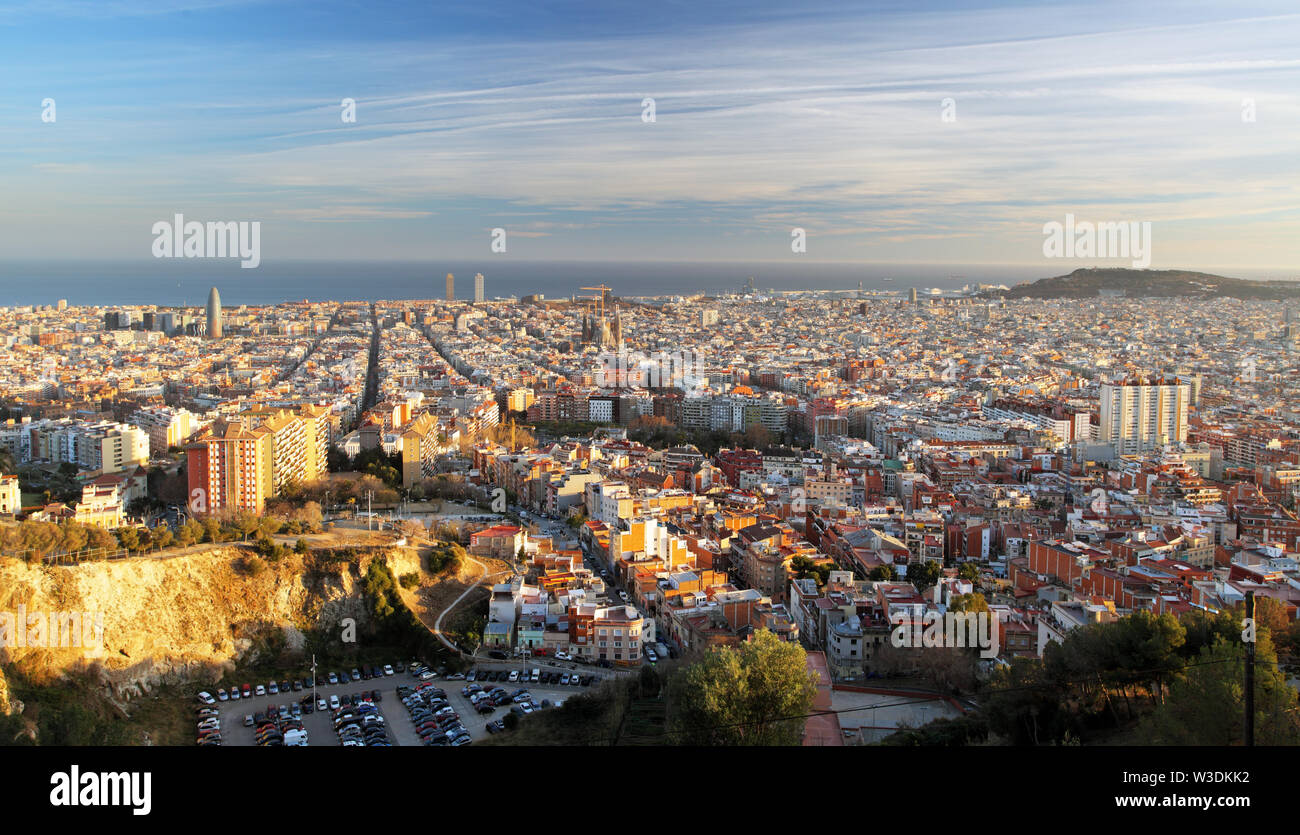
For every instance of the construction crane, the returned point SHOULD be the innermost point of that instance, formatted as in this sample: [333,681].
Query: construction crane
[603,298]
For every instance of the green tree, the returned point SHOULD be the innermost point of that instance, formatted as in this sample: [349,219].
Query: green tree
[883,573]
[246,523]
[969,571]
[162,536]
[757,694]
[973,602]
[924,574]
[1206,706]
[128,538]
[301,546]
[99,539]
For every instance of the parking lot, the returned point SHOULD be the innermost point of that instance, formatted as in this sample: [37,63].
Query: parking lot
[318,724]
[397,721]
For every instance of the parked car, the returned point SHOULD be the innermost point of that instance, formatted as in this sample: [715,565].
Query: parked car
[334,702]
[260,691]
[206,698]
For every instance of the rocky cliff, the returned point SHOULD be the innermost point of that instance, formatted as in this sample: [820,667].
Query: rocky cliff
[183,619]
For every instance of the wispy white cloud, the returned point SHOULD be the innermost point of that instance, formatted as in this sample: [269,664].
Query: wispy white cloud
[830,123]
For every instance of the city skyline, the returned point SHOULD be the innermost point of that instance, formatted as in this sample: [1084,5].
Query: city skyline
[484,121]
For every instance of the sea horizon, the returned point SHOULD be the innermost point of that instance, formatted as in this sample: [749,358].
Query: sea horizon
[185,283]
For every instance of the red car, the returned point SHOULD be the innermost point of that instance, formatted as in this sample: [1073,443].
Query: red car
[248,691]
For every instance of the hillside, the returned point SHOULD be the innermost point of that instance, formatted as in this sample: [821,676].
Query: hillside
[1089,283]
[173,625]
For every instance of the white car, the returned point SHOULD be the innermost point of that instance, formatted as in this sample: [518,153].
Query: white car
[388,669]
[428,674]
[622,595]
[234,694]
[562,655]
[221,695]
[321,704]
[514,675]
[260,691]
[206,698]
[334,702]
[651,654]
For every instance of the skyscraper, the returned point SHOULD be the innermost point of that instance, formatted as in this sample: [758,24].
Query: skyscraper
[478,288]
[214,314]
[451,287]
[914,297]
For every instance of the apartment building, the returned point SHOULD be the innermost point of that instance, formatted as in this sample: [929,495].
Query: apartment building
[1142,414]
[11,498]
[231,467]
[166,427]
[112,448]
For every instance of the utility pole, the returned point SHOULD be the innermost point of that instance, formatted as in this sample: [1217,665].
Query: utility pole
[314,701]
[1250,672]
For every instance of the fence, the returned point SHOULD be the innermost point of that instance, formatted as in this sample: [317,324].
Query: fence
[70,557]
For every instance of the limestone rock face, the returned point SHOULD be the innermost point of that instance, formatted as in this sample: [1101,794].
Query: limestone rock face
[175,620]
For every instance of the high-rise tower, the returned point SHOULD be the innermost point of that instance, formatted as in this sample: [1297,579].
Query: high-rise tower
[451,287]
[214,314]
[478,288]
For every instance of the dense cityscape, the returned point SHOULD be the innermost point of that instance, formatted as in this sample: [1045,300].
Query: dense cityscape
[684,472]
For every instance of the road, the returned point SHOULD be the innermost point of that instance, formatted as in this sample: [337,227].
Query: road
[437,624]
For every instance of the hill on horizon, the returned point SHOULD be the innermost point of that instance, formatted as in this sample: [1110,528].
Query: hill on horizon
[1124,282]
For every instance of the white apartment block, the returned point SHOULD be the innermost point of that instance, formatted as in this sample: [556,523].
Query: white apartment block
[1142,415]
[166,427]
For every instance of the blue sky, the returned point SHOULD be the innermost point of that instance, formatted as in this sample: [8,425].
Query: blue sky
[527,116]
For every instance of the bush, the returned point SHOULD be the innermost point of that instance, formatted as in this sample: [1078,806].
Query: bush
[410,581]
